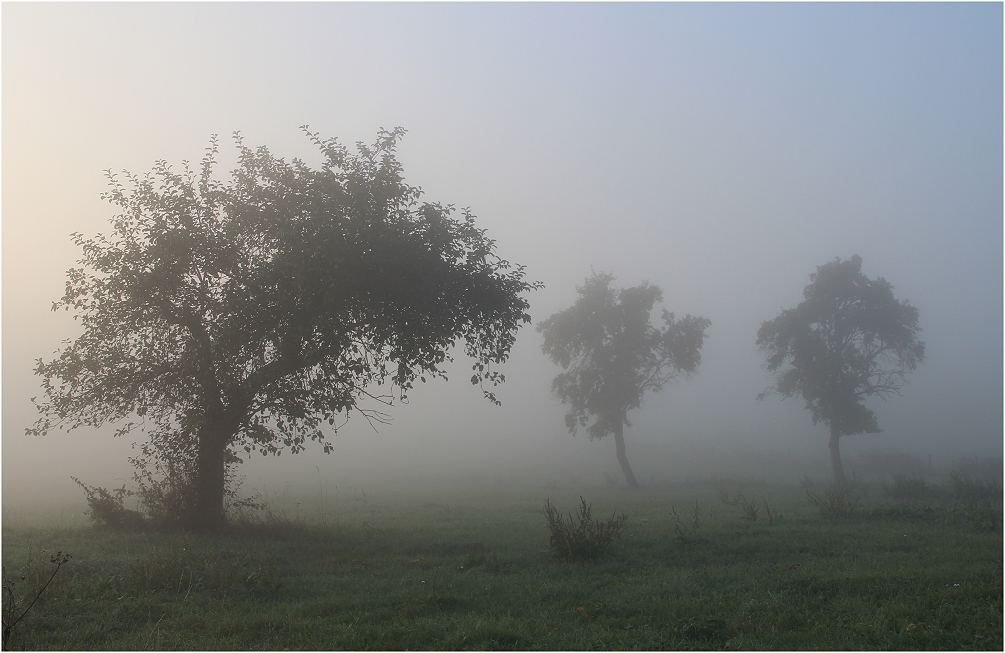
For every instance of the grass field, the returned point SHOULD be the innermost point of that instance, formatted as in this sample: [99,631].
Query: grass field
[474,571]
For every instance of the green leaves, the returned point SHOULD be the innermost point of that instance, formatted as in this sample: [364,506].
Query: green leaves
[849,339]
[283,292]
[612,355]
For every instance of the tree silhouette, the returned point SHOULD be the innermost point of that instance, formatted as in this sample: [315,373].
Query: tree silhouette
[249,314]
[848,340]
[612,355]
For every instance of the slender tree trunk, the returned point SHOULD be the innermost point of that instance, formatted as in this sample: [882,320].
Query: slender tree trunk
[619,445]
[208,514]
[835,445]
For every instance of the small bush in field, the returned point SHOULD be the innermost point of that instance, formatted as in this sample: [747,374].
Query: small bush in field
[975,502]
[836,500]
[749,510]
[965,488]
[683,531]
[582,538]
[907,488]
[108,509]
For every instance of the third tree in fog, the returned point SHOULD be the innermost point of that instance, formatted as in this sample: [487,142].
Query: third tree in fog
[849,339]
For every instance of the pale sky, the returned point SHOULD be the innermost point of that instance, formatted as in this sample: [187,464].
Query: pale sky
[720,151]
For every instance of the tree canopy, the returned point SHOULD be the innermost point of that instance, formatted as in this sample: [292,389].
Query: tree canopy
[247,314]
[612,355]
[848,340]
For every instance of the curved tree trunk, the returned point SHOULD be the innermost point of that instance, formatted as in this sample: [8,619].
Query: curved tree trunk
[835,445]
[619,444]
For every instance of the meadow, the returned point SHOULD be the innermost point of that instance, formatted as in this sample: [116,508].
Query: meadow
[706,565]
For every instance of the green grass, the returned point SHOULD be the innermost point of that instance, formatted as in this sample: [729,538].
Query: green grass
[395,572]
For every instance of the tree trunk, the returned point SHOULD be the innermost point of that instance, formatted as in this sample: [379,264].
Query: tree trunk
[208,514]
[835,445]
[619,444]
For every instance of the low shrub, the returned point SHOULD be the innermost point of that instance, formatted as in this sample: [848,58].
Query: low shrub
[107,508]
[584,538]
[966,488]
[907,488]
[749,510]
[837,499]
[682,531]
[976,503]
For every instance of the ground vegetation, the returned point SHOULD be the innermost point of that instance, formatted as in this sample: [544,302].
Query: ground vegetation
[436,571]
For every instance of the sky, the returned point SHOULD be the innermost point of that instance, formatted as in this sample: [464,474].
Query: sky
[719,151]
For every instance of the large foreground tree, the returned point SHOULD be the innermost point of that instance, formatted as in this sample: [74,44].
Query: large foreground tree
[247,314]
[612,356]
[848,340]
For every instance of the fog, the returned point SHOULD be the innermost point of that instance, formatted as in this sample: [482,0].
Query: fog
[719,151]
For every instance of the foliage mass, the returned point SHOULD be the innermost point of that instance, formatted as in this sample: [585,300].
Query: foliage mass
[249,315]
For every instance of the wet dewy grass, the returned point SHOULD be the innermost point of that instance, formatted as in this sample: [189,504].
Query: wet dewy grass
[476,573]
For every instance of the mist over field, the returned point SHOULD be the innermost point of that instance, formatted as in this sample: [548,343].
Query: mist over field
[721,152]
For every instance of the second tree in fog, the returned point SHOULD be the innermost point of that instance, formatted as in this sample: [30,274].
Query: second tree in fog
[611,356]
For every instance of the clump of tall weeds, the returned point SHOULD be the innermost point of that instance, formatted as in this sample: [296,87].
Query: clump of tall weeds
[910,489]
[975,502]
[835,500]
[683,531]
[583,537]
[750,510]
